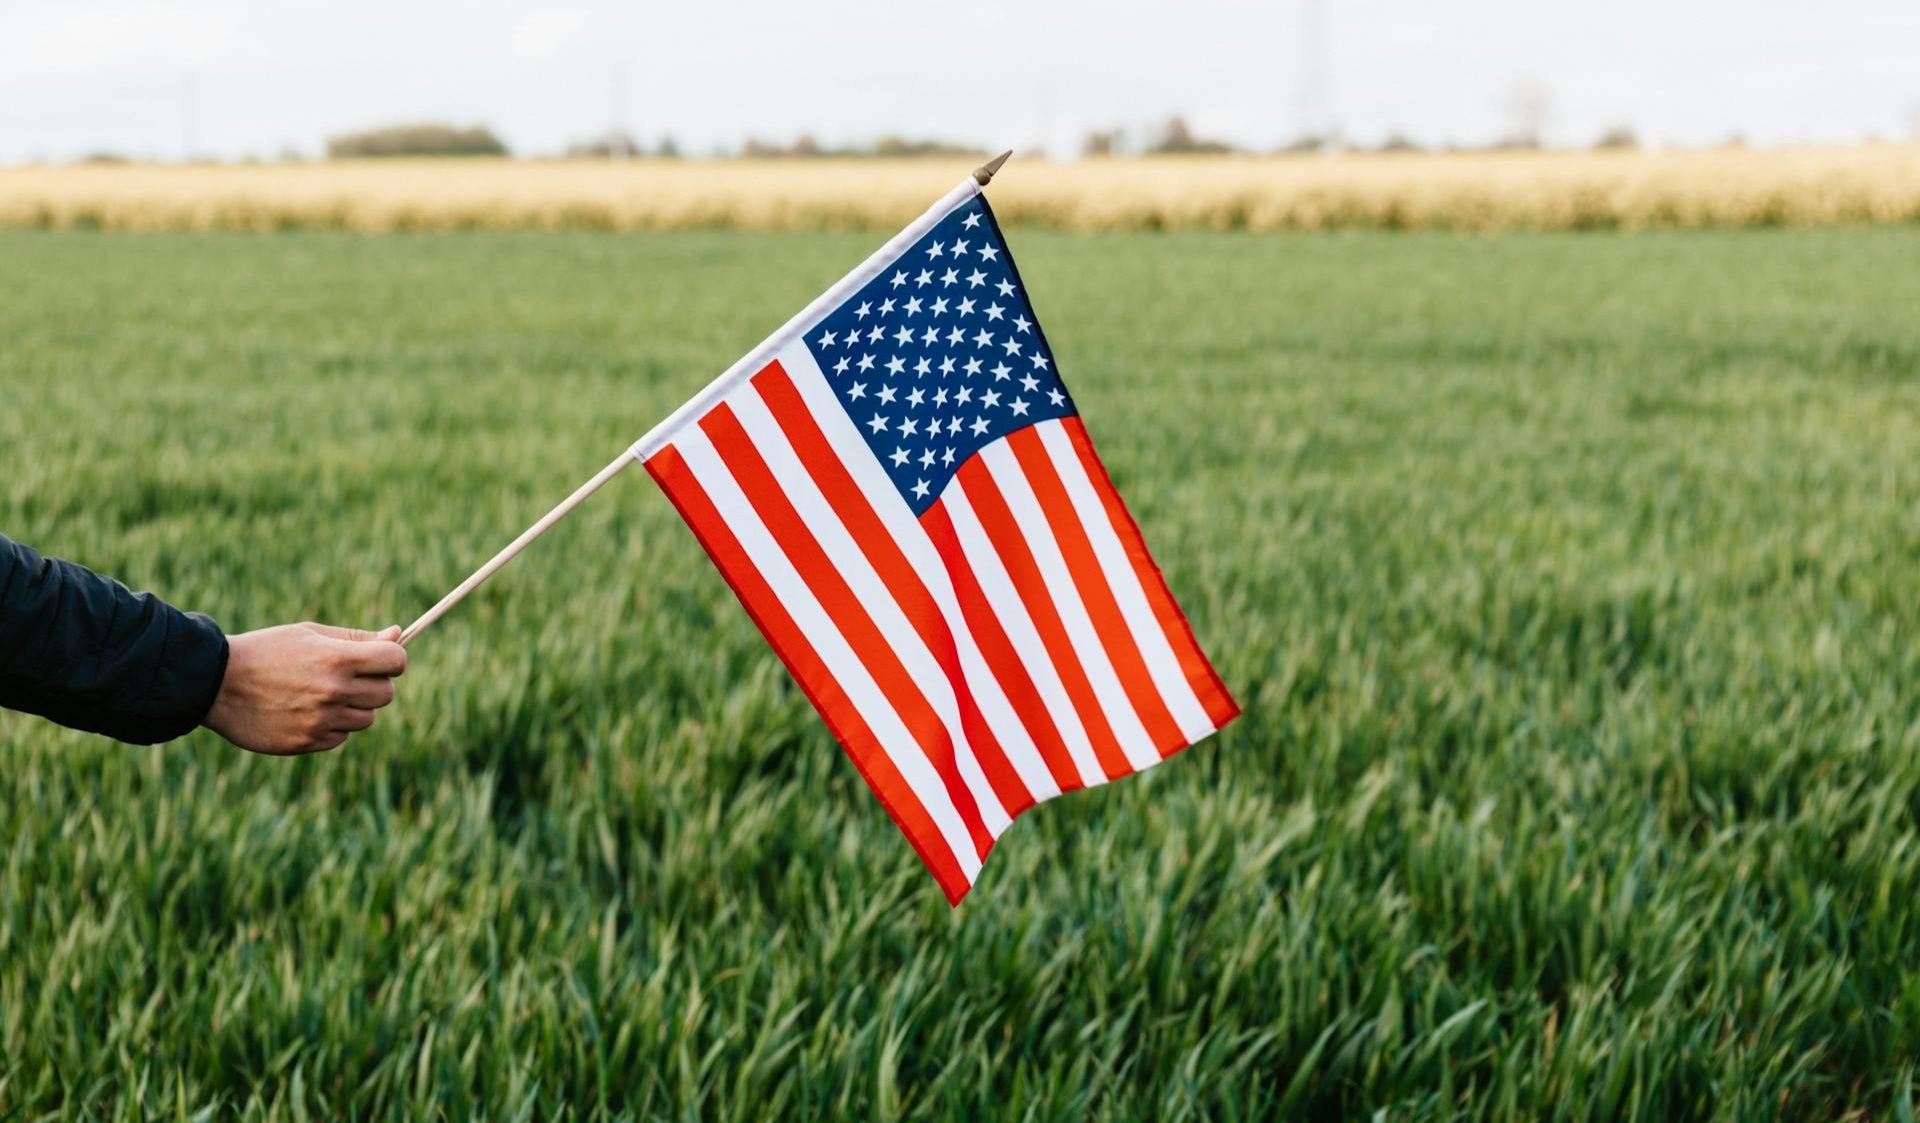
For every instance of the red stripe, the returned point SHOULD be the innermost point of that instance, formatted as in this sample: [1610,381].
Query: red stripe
[815,679]
[1090,581]
[991,509]
[999,652]
[1213,695]
[757,482]
[823,463]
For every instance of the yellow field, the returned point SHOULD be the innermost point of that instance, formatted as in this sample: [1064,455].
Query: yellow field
[1737,187]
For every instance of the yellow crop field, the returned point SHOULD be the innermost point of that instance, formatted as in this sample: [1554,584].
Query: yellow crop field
[1474,191]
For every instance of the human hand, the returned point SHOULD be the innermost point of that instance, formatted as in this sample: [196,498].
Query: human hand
[303,688]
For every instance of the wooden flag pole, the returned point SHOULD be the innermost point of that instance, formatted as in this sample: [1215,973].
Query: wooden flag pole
[526,539]
[982,175]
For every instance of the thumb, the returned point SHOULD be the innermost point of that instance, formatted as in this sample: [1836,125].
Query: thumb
[356,634]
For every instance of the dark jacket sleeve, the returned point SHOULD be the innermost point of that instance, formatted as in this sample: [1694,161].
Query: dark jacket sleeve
[83,650]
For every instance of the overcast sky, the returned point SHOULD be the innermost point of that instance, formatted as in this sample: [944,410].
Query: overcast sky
[142,77]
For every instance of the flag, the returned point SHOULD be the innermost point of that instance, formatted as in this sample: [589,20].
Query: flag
[899,489]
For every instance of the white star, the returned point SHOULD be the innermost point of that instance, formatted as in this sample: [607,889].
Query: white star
[972,221]
[989,252]
[876,333]
[923,367]
[899,279]
[946,365]
[1000,372]
[886,395]
[959,248]
[878,423]
[926,459]
[920,490]
[1005,286]
[861,312]
[827,340]
[915,398]
[979,426]
[947,459]
[949,277]
[857,391]
[953,426]
[904,336]
[886,307]
[909,427]
[899,458]
[896,364]
[1022,323]
[913,306]
[966,307]
[984,339]
[1039,360]
[924,279]
[866,363]
[975,279]
[1055,396]
[841,366]
[990,399]
[1019,407]
[935,251]
[1029,383]
[973,366]
[940,396]
[1012,345]
[994,311]
[940,306]
[930,336]
[964,396]
[956,336]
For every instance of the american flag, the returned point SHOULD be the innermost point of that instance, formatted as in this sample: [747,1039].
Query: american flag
[900,491]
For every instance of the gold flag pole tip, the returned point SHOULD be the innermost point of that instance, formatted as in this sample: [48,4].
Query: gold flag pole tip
[983,174]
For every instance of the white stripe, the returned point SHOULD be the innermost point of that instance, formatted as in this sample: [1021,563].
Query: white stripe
[1011,611]
[851,562]
[1031,521]
[1162,664]
[1015,741]
[820,630]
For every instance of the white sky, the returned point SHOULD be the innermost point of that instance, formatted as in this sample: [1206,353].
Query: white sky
[78,76]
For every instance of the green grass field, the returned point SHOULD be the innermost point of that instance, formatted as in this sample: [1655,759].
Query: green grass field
[1568,583]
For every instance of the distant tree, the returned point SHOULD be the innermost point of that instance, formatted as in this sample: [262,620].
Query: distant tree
[1528,105]
[1617,137]
[1399,142]
[1305,144]
[104,158]
[667,149]
[902,146]
[426,139]
[1101,142]
[612,144]
[1177,139]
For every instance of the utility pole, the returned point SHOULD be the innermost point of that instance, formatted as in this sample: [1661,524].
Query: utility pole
[617,116]
[1315,106]
[188,141]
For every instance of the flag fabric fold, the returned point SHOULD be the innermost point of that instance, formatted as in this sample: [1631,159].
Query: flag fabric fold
[900,491]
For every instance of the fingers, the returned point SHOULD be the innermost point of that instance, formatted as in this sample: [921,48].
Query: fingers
[367,692]
[349,719]
[374,656]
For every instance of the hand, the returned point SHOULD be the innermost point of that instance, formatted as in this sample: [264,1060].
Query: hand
[303,688]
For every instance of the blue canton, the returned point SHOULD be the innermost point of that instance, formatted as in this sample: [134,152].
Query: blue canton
[940,354]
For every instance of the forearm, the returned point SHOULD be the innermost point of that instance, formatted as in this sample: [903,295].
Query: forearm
[84,651]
